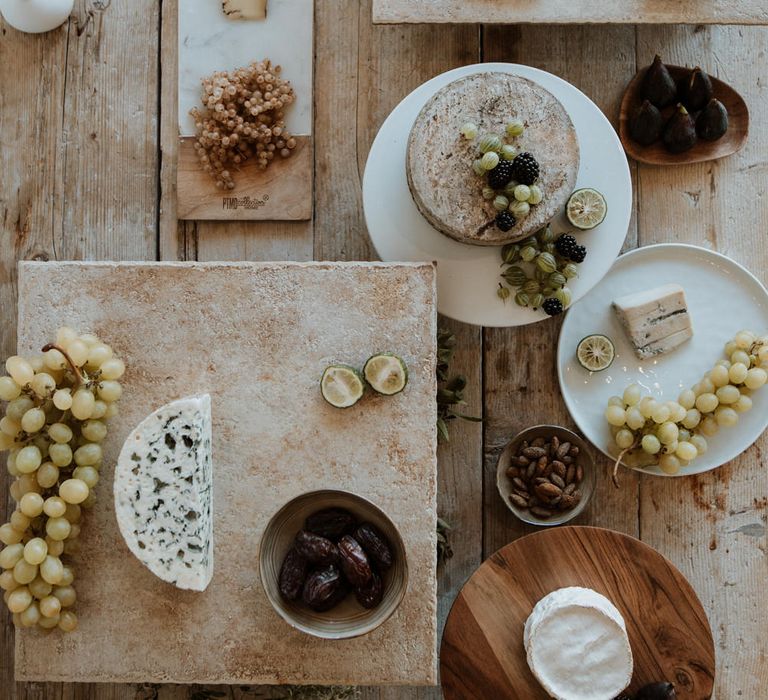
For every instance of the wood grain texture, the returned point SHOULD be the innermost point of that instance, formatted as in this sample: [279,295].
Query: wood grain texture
[571,12]
[655,153]
[281,192]
[482,652]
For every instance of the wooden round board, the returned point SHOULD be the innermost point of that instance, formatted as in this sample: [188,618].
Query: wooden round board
[482,654]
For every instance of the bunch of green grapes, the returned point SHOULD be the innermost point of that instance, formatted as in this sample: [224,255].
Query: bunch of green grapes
[54,424]
[671,434]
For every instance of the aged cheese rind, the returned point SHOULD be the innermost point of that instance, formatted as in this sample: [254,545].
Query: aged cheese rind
[163,493]
[577,645]
[655,320]
[245,9]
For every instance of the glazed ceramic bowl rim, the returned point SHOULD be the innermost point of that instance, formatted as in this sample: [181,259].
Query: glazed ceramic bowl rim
[366,626]
[590,476]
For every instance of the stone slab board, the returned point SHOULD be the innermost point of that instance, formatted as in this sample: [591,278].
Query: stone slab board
[256,337]
[571,11]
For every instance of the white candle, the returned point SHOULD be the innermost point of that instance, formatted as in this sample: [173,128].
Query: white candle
[36,16]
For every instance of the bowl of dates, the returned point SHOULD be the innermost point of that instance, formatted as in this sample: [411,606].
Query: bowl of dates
[333,565]
[546,475]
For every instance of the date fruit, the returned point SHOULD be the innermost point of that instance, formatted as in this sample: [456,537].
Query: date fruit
[323,589]
[375,545]
[293,573]
[330,523]
[316,549]
[354,562]
[370,595]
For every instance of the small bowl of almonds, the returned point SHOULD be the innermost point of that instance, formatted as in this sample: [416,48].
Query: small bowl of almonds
[546,475]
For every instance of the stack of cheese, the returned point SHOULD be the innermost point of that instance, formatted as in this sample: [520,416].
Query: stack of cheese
[577,645]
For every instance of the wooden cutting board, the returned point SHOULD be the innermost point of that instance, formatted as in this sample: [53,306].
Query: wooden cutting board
[482,652]
[256,337]
[209,41]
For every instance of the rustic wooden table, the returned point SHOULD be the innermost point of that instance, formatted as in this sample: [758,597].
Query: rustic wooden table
[88,132]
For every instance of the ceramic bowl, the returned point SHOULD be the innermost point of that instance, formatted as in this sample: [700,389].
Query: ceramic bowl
[587,487]
[349,618]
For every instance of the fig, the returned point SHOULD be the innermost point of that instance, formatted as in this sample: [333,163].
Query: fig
[659,87]
[657,691]
[698,90]
[646,124]
[680,131]
[712,121]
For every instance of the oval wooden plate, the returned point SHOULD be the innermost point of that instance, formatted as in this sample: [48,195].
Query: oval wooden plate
[482,654]
[656,154]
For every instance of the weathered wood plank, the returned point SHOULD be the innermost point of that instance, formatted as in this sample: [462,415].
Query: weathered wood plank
[521,387]
[713,526]
[572,11]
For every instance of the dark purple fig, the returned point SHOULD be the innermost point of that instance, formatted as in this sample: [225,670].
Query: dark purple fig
[331,523]
[657,691]
[316,549]
[712,121]
[375,545]
[323,589]
[680,131]
[354,561]
[698,90]
[371,595]
[293,573]
[646,124]
[659,87]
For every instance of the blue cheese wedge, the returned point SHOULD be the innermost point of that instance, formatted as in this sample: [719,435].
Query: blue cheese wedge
[577,645]
[163,493]
[656,320]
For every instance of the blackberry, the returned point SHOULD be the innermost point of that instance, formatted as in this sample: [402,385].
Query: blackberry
[500,175]
[505,220]
[578,254]
[552,306]
[565,245]
[526,169]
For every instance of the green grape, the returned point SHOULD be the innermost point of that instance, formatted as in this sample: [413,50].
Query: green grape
[687,399]
[18,407]
[31,504]
[756,378]
[615,415]
[709,426]
[650,444]
[743,405]
[35,551]
[669,464]
[54,359]
[667,433]
[719,376]
[726,417]
[55,507]
[737,373]
[728,394]
[686,451]
[62,399]
[60,454]
[624,438]
[635,419]
[28,459]
[78,352]
[82,404]
[616,401]
[744,339]
[632,395]
[52,570]
[740,357]
[33,420]
[88,454]
[692,418]
[19,600]
[700,443]
[660,413]
[50,606]
[9,389]
[707,402]
[43,385]
[20,370]
[96,430]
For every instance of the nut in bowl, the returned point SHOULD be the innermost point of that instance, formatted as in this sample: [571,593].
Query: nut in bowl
[546,475]
[333,565]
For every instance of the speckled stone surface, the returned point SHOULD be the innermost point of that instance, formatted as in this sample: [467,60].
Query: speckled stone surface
[257,338]
[439,160]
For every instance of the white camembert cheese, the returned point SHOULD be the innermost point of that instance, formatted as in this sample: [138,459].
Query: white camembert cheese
[577,645]
[163,493]
[656,320]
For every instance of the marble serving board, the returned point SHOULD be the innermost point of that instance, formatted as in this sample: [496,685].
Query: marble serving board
[209,41]
[572,11]
[256,337]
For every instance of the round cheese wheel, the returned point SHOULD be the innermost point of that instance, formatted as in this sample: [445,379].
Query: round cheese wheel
[445,188]
[577,645]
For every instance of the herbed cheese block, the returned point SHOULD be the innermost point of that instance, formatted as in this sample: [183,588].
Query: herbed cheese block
[577,645]
[163,493]
[446,190]
[656,320]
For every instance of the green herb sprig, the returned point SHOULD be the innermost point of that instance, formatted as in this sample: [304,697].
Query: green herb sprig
[450,390]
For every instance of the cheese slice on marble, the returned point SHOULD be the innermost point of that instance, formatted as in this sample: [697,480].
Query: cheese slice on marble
[163,493]
[577,645]
[656,320]
[245,9]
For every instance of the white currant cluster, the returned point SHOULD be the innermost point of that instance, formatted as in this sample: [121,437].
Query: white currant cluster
[54,424]
[671,434]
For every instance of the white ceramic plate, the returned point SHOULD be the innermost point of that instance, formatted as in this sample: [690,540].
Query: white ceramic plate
[467,275]
[723,298]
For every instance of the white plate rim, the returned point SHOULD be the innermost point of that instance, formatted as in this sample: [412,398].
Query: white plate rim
[427,89]
[645,250]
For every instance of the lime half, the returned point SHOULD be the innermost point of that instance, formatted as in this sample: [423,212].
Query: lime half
[595,353]
[386,373]
[341,386]
[586,208]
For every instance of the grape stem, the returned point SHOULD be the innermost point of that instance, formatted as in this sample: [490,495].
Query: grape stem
[79,379]
[617,463]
